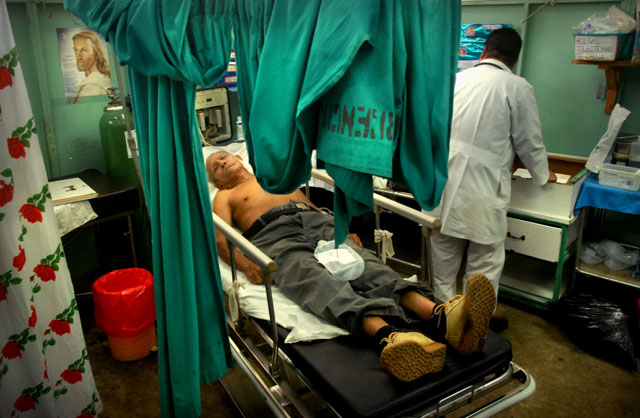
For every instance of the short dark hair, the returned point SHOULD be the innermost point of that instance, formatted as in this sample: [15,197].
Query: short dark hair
[504,44]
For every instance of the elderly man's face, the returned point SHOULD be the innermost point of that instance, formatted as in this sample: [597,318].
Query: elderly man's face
[85,57]
[223,167]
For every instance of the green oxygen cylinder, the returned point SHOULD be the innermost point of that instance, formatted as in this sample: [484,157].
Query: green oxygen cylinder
[117,155]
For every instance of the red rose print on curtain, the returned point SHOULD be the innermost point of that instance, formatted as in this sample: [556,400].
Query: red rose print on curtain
[6,280]
[33,319]
[46,270]
[16,148]
[19,260]
[60,325]
[71,375]
[19,140]
[6,189]
[5,78]
[90,410]
[7,64]
[32,210]
[11,350]
[28,400]
[15,346]
[24,403]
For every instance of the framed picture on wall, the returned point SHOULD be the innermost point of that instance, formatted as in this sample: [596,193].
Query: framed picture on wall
[85,66]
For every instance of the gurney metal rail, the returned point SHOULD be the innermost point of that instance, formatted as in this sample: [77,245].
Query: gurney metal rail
[277,383]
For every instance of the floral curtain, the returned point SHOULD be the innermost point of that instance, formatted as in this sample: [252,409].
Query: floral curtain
[44,365]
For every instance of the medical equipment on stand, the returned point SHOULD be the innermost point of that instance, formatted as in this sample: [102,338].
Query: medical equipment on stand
[117,155]
[214,118]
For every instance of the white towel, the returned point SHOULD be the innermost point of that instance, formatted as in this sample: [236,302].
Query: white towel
[384,237]
[70,216]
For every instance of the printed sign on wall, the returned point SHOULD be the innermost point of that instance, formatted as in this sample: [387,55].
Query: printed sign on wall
[85,66]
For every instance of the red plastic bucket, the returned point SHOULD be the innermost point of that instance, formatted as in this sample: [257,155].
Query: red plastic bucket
[124,304]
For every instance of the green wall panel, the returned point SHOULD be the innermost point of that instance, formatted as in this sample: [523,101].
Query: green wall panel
[573,119]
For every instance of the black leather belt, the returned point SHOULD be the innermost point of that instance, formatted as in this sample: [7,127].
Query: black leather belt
[272,214]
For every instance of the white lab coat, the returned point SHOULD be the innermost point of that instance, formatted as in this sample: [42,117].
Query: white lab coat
[495,116]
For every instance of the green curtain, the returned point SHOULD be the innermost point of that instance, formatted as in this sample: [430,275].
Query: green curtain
[170,47]
[368,83]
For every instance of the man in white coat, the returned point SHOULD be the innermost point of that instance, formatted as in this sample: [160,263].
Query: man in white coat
[495,117]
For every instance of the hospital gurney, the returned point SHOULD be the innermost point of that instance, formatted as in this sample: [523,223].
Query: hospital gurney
[343,376]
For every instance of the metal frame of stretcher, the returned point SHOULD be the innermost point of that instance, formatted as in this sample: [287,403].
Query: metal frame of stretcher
[266,376]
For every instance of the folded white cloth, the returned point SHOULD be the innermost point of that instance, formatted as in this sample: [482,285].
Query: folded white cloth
[70,216]
[383,236]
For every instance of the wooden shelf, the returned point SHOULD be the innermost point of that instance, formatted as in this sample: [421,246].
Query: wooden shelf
[612,70]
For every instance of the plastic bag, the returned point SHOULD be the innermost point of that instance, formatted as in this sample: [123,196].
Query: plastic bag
[589,254]
[343,262]
[620,261]
[124,303]
[599,327]
[600,153]
[607,248]
[614,21]
[616,257]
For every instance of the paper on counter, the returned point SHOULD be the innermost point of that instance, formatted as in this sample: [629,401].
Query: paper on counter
[524,173]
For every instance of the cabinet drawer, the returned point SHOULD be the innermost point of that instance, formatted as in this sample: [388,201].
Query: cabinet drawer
[533,239]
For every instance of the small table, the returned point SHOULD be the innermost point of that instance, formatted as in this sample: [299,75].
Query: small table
[116,199]
[594,195]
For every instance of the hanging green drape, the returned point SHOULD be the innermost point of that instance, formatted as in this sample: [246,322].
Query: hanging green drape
[170,47]
[368,83]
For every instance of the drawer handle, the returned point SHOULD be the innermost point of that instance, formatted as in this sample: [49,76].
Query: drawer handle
[521,237]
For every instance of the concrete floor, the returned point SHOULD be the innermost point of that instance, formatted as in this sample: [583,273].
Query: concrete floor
[570,382]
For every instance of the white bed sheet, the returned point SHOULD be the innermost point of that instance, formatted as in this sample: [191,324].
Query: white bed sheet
[253,299]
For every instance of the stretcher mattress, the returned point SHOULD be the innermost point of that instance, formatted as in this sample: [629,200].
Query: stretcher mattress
[360,387]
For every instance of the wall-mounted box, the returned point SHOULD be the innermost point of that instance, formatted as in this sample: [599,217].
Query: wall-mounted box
[603,47]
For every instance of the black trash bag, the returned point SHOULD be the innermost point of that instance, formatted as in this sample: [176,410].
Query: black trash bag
[599,327]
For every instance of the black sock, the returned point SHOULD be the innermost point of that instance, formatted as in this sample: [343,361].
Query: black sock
[436,325]
[380,335]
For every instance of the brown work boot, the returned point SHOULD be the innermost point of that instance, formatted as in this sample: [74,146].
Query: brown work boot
[467,317]
[410,355]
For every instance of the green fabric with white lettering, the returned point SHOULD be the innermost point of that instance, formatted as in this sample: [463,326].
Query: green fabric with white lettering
[369,84]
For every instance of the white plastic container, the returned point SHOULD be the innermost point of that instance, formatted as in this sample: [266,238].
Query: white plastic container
[620,177]
[239,129]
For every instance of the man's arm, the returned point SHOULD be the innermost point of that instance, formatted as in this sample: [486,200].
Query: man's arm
[222,208]
[526,132]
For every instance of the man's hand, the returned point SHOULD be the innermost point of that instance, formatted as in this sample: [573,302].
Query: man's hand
[253,273]
[552,177]
[356,239]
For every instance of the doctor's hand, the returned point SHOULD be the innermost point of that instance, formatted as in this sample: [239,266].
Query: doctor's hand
[552,177]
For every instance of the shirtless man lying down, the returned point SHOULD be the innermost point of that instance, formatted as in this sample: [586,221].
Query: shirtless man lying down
[378,304]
